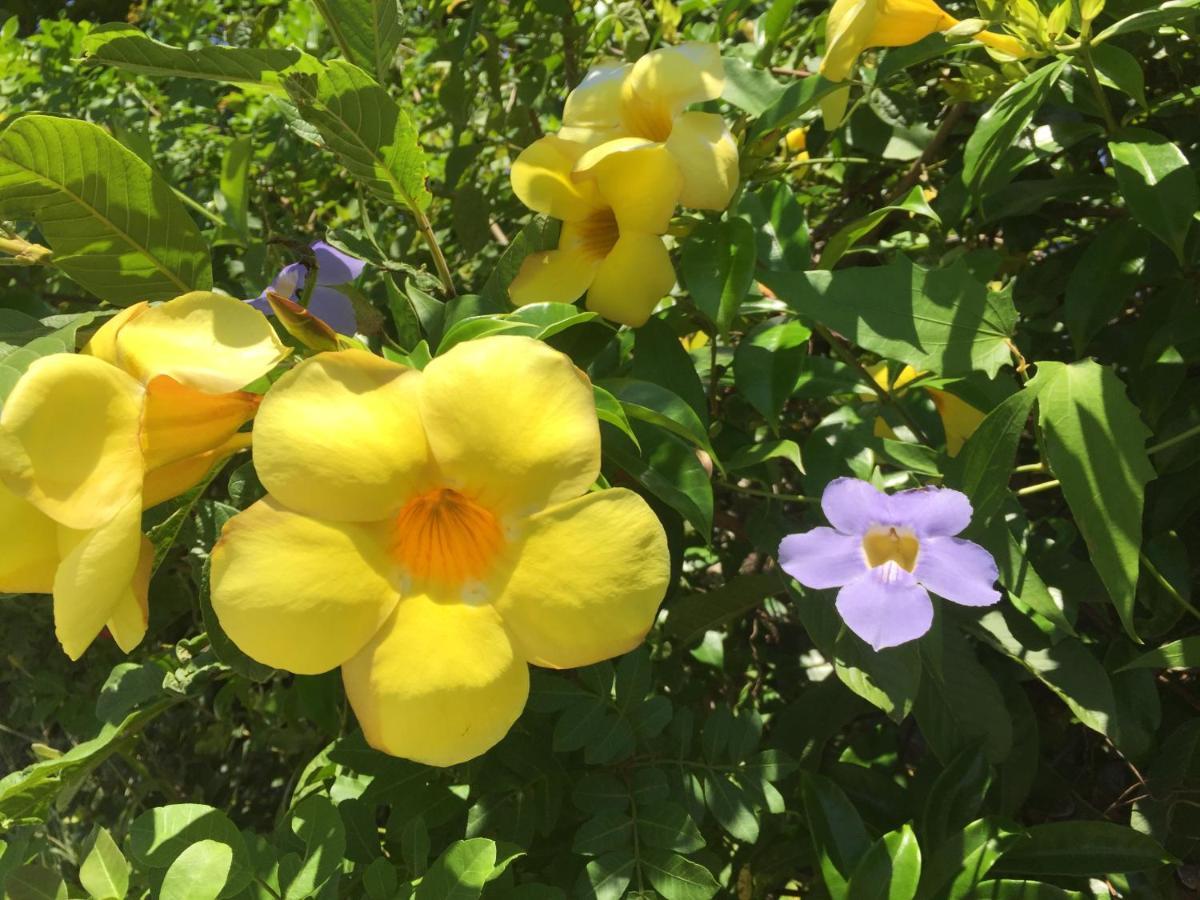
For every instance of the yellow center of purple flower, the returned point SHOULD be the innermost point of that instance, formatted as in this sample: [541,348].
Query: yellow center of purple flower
[889,543]
[446,537]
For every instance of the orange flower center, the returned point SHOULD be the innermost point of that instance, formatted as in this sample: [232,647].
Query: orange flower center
[598,234]
[446,537]
[883,544]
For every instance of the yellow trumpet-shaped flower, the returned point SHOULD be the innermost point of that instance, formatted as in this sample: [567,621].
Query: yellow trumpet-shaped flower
[857,25]
[87,441]
[647,100]
[615,200]
[959,418]
[430,532]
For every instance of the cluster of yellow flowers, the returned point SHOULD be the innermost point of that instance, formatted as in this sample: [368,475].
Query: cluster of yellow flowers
[430,532]
[629,151]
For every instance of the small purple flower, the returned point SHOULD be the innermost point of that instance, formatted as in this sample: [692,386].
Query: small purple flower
[885,552]
[326,302]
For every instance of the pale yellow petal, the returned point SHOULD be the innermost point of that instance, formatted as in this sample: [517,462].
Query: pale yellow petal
[180,422]
[169,481]
[555,276]
[678,76]
[103,343]
[297,593]
[99,567]
[29,547]
[631,281]
[69,439]
[585,580]
[207,341]
[707,155]
[541,179]
[439,683]
[638,179]
[340,437]
[131,614]
[597,100]
[512,423]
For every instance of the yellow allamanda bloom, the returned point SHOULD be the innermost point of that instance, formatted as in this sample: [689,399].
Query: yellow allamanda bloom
[959,418]
[857,25]
[431,533]
[615,201]
[647,100]
[88,441]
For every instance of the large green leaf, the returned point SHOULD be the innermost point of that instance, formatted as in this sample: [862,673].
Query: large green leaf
[460,872]
[767,365]
[937,320]
[115,226]
[367,31]
[1181,654]
[159,836]
[1105,279]
[105,871]
[1158,184]
[984,465]
[718,268]
[125,47]
[199,873]
[1156,16]
[1095,445]
[370,134]
[1082,848]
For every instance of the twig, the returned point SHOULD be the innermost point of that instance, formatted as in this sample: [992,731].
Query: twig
[913,175]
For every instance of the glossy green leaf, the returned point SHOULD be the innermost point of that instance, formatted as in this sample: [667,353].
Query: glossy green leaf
[1181,654]
[1012,889]
[647,402]
[955,797]
[758,453]
[1119,69]
[890,869]
[200,872]
[34,882]
[105,871]
[1158,184]
[1082,848]
[836,830]
[668,826]
[954,867]
[667,468]
[1169,13]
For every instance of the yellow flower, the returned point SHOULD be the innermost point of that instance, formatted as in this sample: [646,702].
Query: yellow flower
[959,418]
[88,441]
[615,200]
[857,25]
[430,532]
[647,100]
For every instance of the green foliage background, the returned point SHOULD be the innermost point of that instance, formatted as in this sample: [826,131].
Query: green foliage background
[1024,233]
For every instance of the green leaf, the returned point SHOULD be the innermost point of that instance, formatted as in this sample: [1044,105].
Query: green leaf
[691,616]
[158,837]
[717,266]
[114,224]
[606,831]
[105,871]
[607,877]
[1005,889]
[767,365]
[731,806]
[758,453]
[1160,14]
[199,872]
[235,189]
[659,356]
[749,87]
[460,872]
[797,98]
[846,237]
[541,233]
[964,860]
[939,320]
[370,134]
[955,797]
[669,827]
[1120,70]
[889,679]
[999,127]
[1095,445]
[667,468]
[610,410]
[34,882]
[125,47]
[676,877]
[1082,848]
[15,360]
[781,225]
[1158,184]
[890,870]
[837,832]
[1181,654]
[647,402]
[315,821]
[1104,279]
[380,880]
[984,465]
[367,31]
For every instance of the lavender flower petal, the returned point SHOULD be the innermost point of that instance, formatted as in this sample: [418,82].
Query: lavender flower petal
[961,571]
[334,309]
[260,303]
[334,266]
[931,511]
[822,558]
[852,505]
[290,280]
[886,607]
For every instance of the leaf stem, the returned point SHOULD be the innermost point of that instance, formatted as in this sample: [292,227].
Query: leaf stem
[1110,123]
[1177,439]
[1038,488]
[755,492]
[439,260]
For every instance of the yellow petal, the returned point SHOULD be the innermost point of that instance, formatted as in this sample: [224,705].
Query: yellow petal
[180,422]
[597,100]
[98,568]
[904,22]
[555,276]
[847,32]
[541,179]
[587,136]
[340,437]
[297,593]
[630,282]
[959,418]
[907,375]
[439,684]
[678,76]
[132,611]
[883,430]
[512,423]
[586,581]
[638,179]
[1004,44]
[69,439]
[707,156]
[103,344]
[29,548]
[169,481]
[207,341]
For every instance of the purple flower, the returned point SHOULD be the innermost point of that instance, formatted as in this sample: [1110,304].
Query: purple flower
[326,302]
[885,553]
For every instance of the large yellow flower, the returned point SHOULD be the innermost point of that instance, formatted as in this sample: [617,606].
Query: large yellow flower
[429,532]
[857,25]
[88,441]
[615,200]
[647,100]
